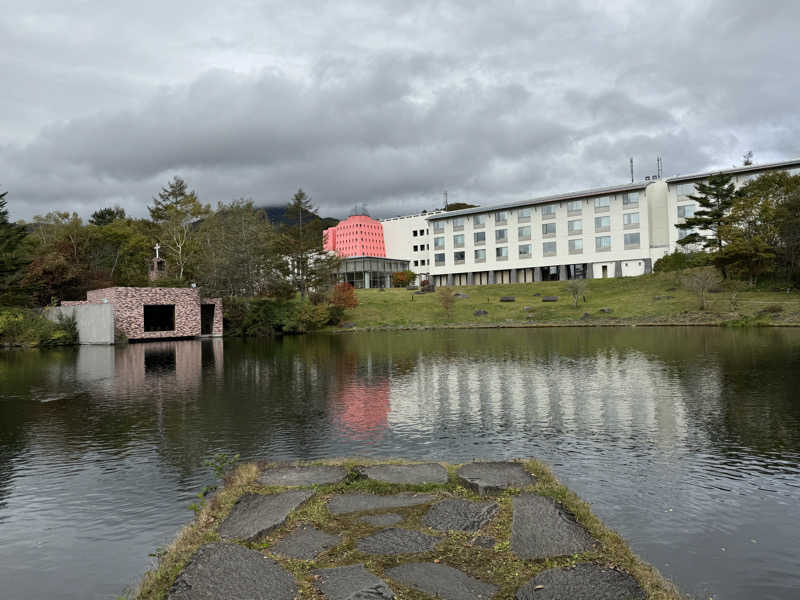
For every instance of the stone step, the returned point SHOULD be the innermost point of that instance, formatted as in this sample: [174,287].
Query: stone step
[582,582]
[291,476]
[542,529]
[350,583]
[460,515]
[305,542]
[397,541]
[349,503]
[493,477]
[255,515]
[441,581]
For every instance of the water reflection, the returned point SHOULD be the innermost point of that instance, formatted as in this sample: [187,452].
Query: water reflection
[686,440]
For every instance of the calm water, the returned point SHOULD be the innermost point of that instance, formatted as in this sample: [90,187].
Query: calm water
[687,441]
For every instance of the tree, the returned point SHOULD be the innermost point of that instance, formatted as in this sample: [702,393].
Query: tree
[11,255]
[787,220]
[403,278]
[106,216]
[447,298]
[715,198]
[309,266]
[177,213]
[701,281]
[576,288]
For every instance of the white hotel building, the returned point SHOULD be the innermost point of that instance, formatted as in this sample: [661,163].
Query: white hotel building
[605,232]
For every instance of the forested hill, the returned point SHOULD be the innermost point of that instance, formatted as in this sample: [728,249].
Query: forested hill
[277,216]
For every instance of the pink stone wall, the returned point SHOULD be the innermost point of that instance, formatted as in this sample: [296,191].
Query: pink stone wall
[129,309]
[358,235]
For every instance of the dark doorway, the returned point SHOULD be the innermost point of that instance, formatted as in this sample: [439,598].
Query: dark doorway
[207,319]
[159,360]
[159,317]
[605,271]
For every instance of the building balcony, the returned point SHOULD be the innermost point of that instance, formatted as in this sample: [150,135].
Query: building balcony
[548,235]
[575,213]
[523,219]
[576,250]
[458,228]
[603,249]
[480,260]
[602,229]
[549,253]
[501,258]
[632,246]
[602,209]
[575,232]
[631,226]
[630,206]
[524,238]
[548,216]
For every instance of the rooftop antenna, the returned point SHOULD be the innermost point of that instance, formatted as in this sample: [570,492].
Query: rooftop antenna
[631,169]
[660,164]
[444,193]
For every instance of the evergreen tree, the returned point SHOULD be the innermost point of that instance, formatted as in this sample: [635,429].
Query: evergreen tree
[106,216]
[11,237]
[715,198]
[176,195]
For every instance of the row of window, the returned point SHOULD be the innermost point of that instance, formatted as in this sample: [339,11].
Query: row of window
[602,244]
[574,227]
[421,247]
[420,232]
[420,263]
[574,207]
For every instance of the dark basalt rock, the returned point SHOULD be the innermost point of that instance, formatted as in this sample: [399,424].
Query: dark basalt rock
[255,515]
[507,299]
[583,582]
[493,477]
[384,520]
[353,582]
[348,503]
[397,541]
[407,474]
[441,581]
[305,542]
[480,313]
[302,476]
[549,298]
[222,571]
[542,529]
[460,515]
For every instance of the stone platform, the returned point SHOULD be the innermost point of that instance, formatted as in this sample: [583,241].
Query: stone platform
[470,532]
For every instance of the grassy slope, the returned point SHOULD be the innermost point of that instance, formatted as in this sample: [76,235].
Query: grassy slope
[632,300]
[496,565]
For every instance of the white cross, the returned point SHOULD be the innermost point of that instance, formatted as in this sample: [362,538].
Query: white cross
[157,248]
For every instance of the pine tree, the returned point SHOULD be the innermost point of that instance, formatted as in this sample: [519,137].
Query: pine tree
[11,237]
[176,195]
[715,199]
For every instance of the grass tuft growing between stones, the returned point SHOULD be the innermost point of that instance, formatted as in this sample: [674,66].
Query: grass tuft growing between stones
[494,564]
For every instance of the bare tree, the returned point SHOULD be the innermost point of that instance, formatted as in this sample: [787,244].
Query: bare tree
[701,281]
[576,288]
[447,298]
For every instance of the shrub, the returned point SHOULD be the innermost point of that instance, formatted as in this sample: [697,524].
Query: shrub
[772,309]
[576,288]
[678,260]
[344,296]
[447,299]
[317,297]
[307,317]
[25,327]
[701,281]
[403,278]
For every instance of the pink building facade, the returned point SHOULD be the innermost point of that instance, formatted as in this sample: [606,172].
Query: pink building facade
[154,313]
[358,235]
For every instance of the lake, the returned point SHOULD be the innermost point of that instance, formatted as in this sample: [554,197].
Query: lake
[685,440]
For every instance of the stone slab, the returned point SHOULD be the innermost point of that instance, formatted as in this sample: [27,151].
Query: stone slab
[493,477]
[384,520]
[348,503]
[302,476]
[460,515]
[305,542]
[441,581]
[255,515]
[582,582]
[351,583]
[222,571]
[542,529]
[396,541]
[407,474]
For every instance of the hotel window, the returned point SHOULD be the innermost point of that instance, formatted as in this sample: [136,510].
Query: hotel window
[501,216]
[685,189]
[575,227]
[602,224]
[602,204]
[524,215]
[458,257]
[479,221]
[438,227]
[525,251]
[549,249]
[686,211]
[576,246]
[480,255]
[458,241]
[630,200]
[574,207]
[480,238]
[501,253]
[602,243]
[524,233]
[501,235]
[438,243]
[415,248]
[549,211]
[548,229]
[458,224]
[630,220]
[631,241]
[416,263]
[415,233]
[438,259]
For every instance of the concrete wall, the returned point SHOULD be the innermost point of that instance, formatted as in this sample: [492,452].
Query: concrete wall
[95,321]
[402,243]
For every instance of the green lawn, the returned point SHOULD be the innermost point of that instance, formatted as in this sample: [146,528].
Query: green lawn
[650,299]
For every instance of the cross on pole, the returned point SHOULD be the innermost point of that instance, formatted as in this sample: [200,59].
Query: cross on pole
[157,247]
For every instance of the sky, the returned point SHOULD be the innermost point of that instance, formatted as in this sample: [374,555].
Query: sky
[385,104]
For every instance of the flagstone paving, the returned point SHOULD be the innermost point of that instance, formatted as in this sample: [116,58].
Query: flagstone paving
[407,474]
[346,558]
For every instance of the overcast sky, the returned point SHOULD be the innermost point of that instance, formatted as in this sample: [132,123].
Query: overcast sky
[385,104]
